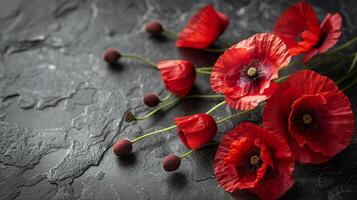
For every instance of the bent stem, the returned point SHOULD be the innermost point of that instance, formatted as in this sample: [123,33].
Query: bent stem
[233,116]
[152,133]
[192,151]
[170,33]
[344,46]
[215,107]
[157,109]
[140,59]
[207,96]
[166,98]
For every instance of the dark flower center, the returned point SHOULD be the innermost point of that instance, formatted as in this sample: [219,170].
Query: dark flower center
[307,119]
[254,160]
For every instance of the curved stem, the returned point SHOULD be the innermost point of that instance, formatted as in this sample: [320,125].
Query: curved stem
[283,78]
[166,98]
[153,133]
[202,71]
[170,33]
[157,109]
[350,85]
[233,116]
[139,58]
[205,68]
[192,151]
[215,107]
[345,45]
[207,96]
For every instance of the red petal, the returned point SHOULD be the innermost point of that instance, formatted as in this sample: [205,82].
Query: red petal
[203,29]
[337,122]
[297,19]
[280,162]
[196,130]
[266,52]
[178,76]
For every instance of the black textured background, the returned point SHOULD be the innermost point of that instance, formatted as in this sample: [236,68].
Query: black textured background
[60,103]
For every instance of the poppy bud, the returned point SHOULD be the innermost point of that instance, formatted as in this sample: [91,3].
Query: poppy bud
[122,147]
[129,116]
[171,162]
[154,28]
[151,99]
[111,56]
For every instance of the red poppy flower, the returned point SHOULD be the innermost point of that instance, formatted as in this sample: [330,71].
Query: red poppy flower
[177,75]
[249,157]
[313,115]
[299,28]
[244,72]
[203,29]
[196,130]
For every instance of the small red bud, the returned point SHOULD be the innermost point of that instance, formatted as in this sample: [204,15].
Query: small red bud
[171,162]
[154,28]
[151,99]
[111,56]
[122,147]
[129,116]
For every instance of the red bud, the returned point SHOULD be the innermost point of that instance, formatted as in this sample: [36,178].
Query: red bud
[154,28]
[151,99]
[171,162]
[129,116]
[122,147]
[111,56]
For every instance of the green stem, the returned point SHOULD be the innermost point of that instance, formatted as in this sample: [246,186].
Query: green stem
[139,58]
[157,109]
[153,133]
[205,68]
[340,48]
[207,96]
[233,116]
[166,98]
[283,78]
[215,107]
[214,50]
[350,85]
[171,34]
[202,71]
[192,151]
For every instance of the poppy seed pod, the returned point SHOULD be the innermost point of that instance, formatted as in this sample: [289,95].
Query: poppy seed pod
[122,147]
[151,99]
[129,116]
[154,28]
[171,162]
[111,56]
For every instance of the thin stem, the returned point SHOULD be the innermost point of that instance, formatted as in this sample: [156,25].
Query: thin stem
[153,133]
[166,98]
[354,63]
[345,45]
[202,71]
[283,78]
[215,107]
[157,109]
[350,85]
[205,68]
[192,151]
[233,116]
[140,59]
[207,96]
[170,33]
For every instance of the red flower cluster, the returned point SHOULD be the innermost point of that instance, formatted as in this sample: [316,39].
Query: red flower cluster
[313,115]
[203,29]
[299,28]
[196,130]
[244,72]
[177,75]
[249,157]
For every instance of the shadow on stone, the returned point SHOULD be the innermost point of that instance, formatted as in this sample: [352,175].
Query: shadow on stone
[127,161]
[177,180]
[117,67]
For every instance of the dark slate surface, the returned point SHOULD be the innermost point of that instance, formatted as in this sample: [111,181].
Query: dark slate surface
[60,104]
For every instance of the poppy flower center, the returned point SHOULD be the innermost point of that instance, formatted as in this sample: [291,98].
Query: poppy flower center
[307,119]
[252,71]
[255,160]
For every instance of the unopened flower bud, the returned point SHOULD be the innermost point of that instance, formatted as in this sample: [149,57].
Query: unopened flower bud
[111,56]
[122,147]
[154,28]
[129,116]
[171,162]
[151,99]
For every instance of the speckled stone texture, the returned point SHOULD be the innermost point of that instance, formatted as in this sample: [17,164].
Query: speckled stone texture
[61,105]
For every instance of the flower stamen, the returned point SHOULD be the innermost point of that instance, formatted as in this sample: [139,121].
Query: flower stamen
[307,119]
[252,71]
[254,160]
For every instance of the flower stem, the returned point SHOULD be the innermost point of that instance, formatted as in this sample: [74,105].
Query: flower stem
[153,133]
[157,109]
[233,116]
[139,58]
[166,98]
[202,71]
[170,33]
[283,78]
[215,107]
[207,96]
[220,50]
[193,151]
[205,68]
[340,48]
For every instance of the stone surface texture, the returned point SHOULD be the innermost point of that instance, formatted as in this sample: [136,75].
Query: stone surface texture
[61,105]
